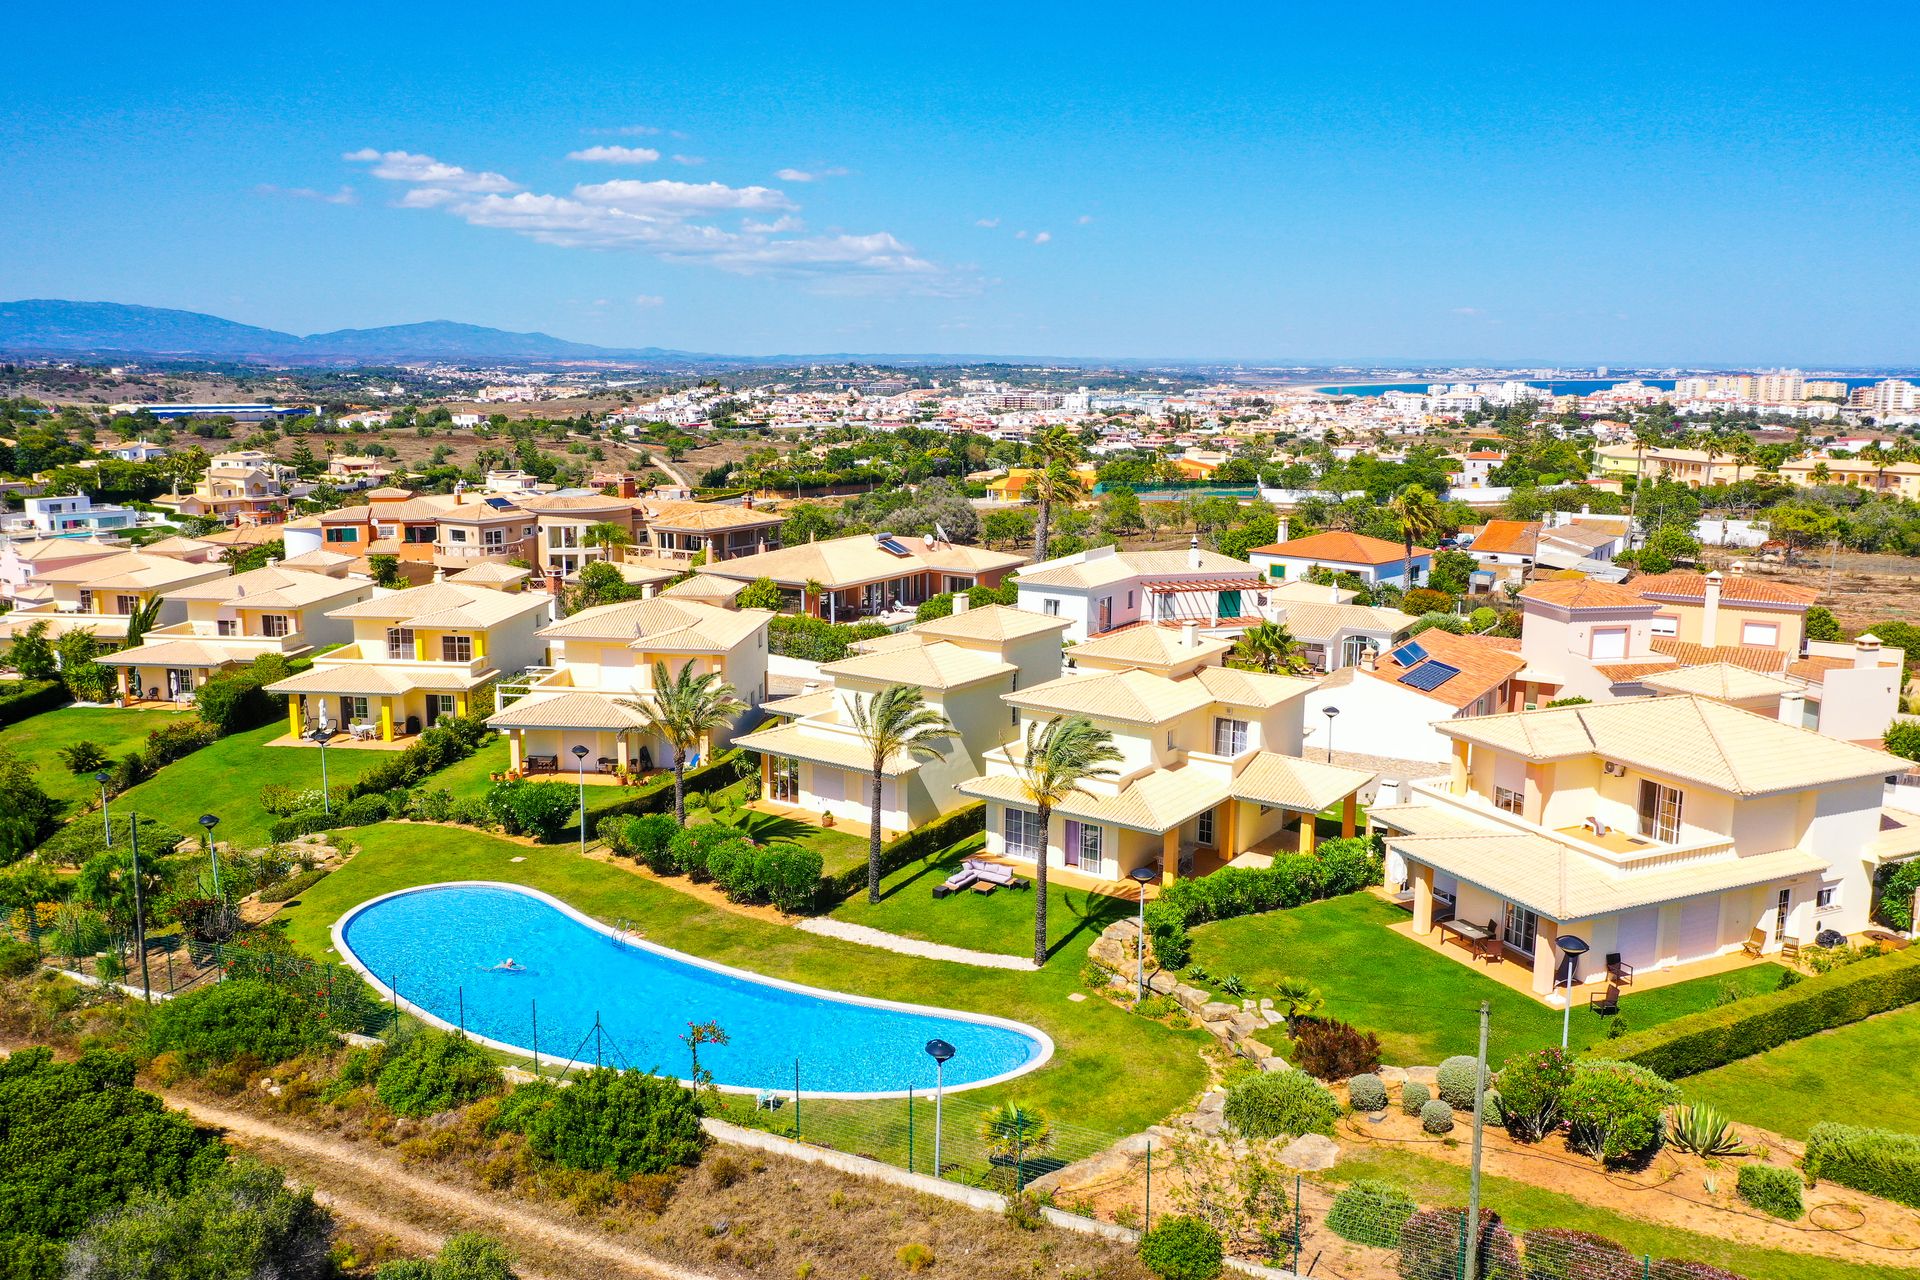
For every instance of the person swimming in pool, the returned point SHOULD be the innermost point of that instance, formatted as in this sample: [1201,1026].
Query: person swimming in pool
[509,965]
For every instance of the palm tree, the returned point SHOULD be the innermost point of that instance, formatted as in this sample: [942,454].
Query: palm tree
[1011,1132]
[683,710]
[896,721]
[1418,513]
[1742,450]
[141,621]
[1271,647]
[1060,756]
[607,534]
[1053,450]
[1822,472]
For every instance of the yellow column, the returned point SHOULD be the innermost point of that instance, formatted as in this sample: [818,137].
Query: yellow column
[293,714]
[419,647]
[460,704]
[1170,856]
[1459,781]
[1349,815]
[1229,835]
[386,720]
[1306,832]
[766,776]
[479,644]
[514,741]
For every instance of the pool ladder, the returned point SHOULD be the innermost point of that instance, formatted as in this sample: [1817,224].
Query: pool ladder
[623,929]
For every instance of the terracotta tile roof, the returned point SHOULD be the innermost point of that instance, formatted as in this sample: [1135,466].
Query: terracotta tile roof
[1734,589]
[1584,593]
[1508,537]
[1752,657]
[1483,667]
[1625,672]
[1339,547]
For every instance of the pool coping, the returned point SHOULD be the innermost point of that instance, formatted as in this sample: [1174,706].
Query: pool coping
[627,938]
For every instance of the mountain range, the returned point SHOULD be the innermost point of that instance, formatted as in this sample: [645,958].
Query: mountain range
[58,326]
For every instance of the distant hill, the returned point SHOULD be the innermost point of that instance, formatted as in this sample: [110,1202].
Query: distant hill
[50,325]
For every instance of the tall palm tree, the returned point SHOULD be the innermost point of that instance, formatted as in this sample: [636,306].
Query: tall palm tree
[1271,647]
[896,721]
[683,710]
[1742,450]
[1060,755]
[1054,451]
[606,534]
[1418,513]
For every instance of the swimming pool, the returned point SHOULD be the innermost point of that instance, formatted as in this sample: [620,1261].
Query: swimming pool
[440,944]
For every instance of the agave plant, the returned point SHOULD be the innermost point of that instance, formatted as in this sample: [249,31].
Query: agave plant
[1702,1130]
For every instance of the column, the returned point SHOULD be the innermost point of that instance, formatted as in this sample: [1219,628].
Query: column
[1307,833]
[1349,815]
[460,705]
[419,646]
[1545,958]
[479,644]
[1229,836]
[293,714]
[620,751]
[1422,899]
[129,685]
[386,720]
[514,743]
[766,776]
[1459,780]
[1170,856]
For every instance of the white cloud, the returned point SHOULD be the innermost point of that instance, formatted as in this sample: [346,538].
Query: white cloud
[615,155]
[345,195]
[649,300]
[1084,219]
[405,166]
[785,222]
[1468,311]
[1041,237]
[689,160]
[666,197]
[809,175]
[986,222]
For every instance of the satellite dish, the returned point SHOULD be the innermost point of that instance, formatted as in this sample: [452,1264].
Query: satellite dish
[940,533]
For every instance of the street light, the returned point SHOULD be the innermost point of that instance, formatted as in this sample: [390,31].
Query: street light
[106,816]
[320,737]
[1572,949]
[939,1051]
[1142,876]
[580,765]
[208,821]
[1330,713]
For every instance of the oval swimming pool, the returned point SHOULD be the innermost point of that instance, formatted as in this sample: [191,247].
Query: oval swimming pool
[440,944]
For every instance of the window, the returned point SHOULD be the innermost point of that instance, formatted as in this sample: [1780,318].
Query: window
[456,535]
[1782,908]
[1609,643]
[1089,847]
[1021,832]
[399,642]
[1827,898]
[456,648]
[342,535]
[1129,599]
[1050,607]
[86,602]
[1276,571]
[1507,800]
[124,605]
[1765,635]
[1665,624]
[1659,811]
[225,627]
[356,709]
[274,624]
[439,706]
[1229,736]
[493,537]
[1203,828]
[1520,929]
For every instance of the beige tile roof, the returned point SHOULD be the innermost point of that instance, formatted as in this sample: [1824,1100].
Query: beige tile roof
[1299,590]
[705,586]
[76,548]
[991,622]
[1325,621]
[1239,688]
[1148,644]
[353,678]
[271,587]
[703,517]
[1899,835]
[568,711]
[1305,786]
[1341,548]
[1692,738]
[940,665]
[445,604]
[1723,681]
[1122,565]
[909,639]
[177,653]
[132,571]
[548,504]
[1154,803]
[836,749]
[856,559]
[1138,697]
[493,571]
[681,626]
[316,560]
[800,704]
[1421,819]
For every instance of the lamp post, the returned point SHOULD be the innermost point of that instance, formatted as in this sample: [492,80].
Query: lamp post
[209,822]
[1571,949]
[580,767]
[1142,876]
[940,1051]
[1330,713]
[320,738]
[106,815]
[139,904]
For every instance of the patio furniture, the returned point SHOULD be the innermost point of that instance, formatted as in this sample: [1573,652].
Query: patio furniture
[955,882]
[646,759]
[1756,942]
[543,764]
[994,873]
[1619,970]
[1483,942]
[606,764]
[1790,949]
[1605,1002]
[413,725]
[984,886]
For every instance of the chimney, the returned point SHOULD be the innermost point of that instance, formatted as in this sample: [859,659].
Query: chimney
[1281,525]
[1791,704]
[627,487]
[554,581]
[1369,658]
[440,574]
[1193,552]
[1189,635]
[962,602]
[1866,651]
[1710,618]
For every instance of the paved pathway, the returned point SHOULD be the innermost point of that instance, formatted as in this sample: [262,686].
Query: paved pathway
[870,937]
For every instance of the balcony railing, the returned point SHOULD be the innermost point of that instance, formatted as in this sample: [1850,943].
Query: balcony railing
[1651,853]
[292,642]
[376,655]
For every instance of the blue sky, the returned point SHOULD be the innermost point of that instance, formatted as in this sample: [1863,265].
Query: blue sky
[1676,183]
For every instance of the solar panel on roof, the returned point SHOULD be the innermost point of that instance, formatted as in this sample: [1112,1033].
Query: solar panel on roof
[1429,676]
[893,546]
[498,504]
[1409,653]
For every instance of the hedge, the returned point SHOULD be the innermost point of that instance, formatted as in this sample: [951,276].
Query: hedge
[656,794]
[1337,867]
[20,699]
[940,834]
[1879,1162]
[449,741]
[1714,1037]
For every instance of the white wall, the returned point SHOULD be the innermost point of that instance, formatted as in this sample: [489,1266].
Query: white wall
[1377,718]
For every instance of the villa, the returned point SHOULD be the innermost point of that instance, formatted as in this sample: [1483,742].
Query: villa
[1709,610]
[862,575]
[1372,560]
[1396,704]
[603,660]
[416,655]
[232,620]
[677,530]
[246,486]
[1660,831]
[99,594]
[23,561]
[1100,589]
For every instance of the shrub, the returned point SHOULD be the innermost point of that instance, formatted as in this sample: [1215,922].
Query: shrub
[1455,1081]
[241,1223]
[445,742]
[172,741]
[1182,1247]
[467,1256]
[20,699]
[1436,1117]
[1531,1085]
[1879,1162]
[78,843]
[1771,1189]
[238,700]
[1714,1037]
[941,834]
[1431,1248]
[915,1257]
[471,811]
[363,811]
[1367,1092]
[538,809]
[1336,867]
[1703,1131]
[17,958]
[436,1071]
[1370,1212]
[1332,1050]
[622,1122]
[789,876]
[82,756]
[1413,1096]
[1556,1253]
[241,1017]
[1896,891]
[729,863]
[1281,1104]
[1615,1108]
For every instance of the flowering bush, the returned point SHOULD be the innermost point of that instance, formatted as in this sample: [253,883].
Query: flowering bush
[1615,1108]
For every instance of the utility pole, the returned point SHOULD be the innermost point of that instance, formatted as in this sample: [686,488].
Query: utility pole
[1471,1228]
[139,905]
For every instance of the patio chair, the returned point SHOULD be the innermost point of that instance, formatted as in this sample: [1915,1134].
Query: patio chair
[1619,970]
[954,883]
[1755,943]
[1605,1003]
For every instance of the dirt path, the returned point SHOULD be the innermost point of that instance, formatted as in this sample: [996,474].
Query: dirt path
[378,1193]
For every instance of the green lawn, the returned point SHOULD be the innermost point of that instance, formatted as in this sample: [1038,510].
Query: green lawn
[1423,1006]
[1523,1207]
[1001,921]
[1111,1072]
[114,730]
[225,780]
[1830,1076]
